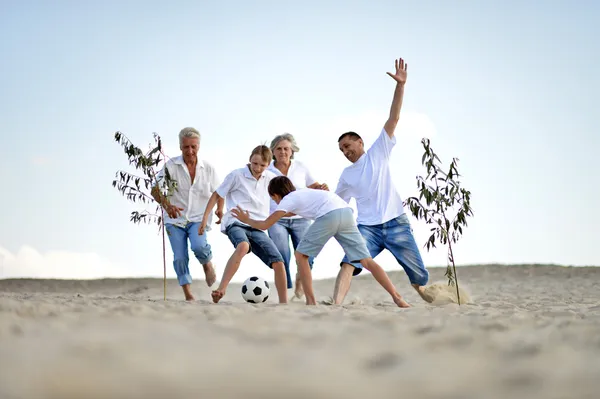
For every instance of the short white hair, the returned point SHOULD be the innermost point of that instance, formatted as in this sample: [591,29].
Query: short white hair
[288,137]
[189,132]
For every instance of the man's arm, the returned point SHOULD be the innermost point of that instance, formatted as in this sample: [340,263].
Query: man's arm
[172,210]
[244,217]
[400,78]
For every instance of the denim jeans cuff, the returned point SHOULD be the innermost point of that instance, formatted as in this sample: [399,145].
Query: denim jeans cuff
[184,279]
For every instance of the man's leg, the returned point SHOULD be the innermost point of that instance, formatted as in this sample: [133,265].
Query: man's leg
[178,239]
[305,277]
[384,280]
[400,241]
[203,252]
[355,247]
[264,248]
[342,283]
[239,239]
[373,238]
[280,236]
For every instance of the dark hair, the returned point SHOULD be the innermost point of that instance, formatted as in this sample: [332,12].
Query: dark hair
[263,151]
[281,186]
[353,135]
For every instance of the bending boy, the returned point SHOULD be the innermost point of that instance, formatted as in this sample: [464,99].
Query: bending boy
[332,218]
[247,187]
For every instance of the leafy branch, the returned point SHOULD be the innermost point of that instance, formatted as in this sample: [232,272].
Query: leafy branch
[140,189]
[447,206]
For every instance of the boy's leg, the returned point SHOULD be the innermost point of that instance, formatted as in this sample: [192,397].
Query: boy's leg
[238,237]
[263,247]
[178,239]
[298,228]
[355,248]
[305,277]
[400,241]
[280,236]
[203,252]
[373,238]
[312,243]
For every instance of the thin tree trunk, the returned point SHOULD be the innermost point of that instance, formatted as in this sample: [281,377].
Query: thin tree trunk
[454,270]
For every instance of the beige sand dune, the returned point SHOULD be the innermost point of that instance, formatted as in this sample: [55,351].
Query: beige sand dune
[530,332]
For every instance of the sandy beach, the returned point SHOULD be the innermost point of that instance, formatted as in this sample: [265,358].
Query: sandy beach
[530,332]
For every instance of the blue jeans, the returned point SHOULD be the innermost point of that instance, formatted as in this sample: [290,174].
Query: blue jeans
[260,243]
[281,232]
[396,236]
[178,237]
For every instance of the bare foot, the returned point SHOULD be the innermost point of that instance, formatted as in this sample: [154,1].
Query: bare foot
[423,294]
[401,302]
[209,272]
[217,295]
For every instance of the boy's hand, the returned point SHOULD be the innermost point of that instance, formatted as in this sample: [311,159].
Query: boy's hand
[219,214]
[242,215]
[202,227]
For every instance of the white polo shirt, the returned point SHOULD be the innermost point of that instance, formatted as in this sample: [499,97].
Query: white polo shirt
[310,203]
[300,176]
[241,188]
[192,197]
[369,182]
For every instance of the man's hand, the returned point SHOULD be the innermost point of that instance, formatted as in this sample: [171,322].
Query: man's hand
[173,211]
[202,227]
[317,186]
[400,75]
[242,215]
[219,214]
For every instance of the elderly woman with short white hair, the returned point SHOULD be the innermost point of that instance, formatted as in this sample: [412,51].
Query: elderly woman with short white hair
[284,147]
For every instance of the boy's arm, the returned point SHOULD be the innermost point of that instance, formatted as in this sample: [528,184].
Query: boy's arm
[213,200]
[400,78]
[244,217]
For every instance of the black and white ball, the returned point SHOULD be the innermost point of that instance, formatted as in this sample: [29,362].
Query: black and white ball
[255,290]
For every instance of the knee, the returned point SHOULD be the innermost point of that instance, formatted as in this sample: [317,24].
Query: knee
[300,257]
[201,249]
[242,248]
[278,265]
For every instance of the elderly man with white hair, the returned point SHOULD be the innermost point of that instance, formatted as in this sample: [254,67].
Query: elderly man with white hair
[196,180]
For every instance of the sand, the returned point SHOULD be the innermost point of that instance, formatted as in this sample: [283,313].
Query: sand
[531,332]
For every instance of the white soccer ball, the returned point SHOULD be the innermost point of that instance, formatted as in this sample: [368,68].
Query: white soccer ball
[255,290]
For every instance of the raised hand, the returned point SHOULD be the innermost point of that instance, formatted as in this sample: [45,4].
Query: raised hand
[400,75]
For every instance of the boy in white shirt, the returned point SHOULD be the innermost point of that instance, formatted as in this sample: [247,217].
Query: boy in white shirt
[247,187]
[332,218]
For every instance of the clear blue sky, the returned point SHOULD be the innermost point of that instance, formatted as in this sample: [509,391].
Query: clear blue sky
[508,87]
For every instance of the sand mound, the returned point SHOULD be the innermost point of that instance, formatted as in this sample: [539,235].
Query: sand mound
[444,294]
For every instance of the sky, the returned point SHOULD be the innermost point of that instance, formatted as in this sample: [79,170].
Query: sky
[507,87]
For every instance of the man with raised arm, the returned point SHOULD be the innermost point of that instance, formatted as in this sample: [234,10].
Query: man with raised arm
[381,217]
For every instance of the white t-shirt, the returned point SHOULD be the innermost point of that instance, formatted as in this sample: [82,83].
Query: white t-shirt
[300,176]
[241,188]
[311,203]
[369,182]
[192,197]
